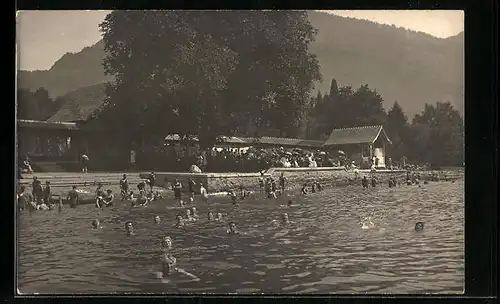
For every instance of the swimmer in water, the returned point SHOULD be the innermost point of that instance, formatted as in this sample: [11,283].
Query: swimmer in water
[96,224]
[189,216]
[304,189]
[129,228]
[180,221]
[364,182]
[285,221]
[234,198]
[419,226]
[194,213]
[318,186]
[157,220]
[218,217]
[210,216]
[166,243]
[232,228]
[204,193]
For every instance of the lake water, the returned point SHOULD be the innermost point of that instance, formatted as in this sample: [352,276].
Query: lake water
[325,249]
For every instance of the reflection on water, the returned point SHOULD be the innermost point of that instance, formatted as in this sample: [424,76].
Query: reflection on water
[341,240]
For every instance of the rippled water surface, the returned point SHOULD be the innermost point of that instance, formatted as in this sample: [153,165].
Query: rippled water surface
[325,249]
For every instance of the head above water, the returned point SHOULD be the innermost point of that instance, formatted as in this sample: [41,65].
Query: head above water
[95,223]
[285,218]
[157,219]
[210,216]
[219,216]
[129,227]
[232,226]
[166,242]
[419,226]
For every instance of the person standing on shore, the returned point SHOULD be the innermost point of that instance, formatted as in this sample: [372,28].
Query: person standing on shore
[282,182]
[85,163]
[124,187]
[177,187]
[47,194]
[151,180]
[191,185]
[37,190]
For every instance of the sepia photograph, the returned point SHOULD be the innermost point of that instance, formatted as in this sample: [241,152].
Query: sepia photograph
[274,152]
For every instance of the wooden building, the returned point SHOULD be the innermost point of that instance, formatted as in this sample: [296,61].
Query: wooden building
[360,143]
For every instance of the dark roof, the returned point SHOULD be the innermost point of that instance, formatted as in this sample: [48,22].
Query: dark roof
[79,105]
[25,123]
[294,142]
[356,135]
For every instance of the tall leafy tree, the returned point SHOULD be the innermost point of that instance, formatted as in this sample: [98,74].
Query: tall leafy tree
[439,135]
[208,73]
[398,130]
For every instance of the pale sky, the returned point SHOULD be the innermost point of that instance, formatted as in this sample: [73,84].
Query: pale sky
[44,36]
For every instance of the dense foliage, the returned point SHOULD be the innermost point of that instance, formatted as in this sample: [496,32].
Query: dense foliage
[209,73]
[35,105]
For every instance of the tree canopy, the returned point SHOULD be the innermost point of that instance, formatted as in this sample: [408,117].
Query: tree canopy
[208,73]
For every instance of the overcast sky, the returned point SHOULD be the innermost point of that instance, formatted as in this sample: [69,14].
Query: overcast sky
[44,36]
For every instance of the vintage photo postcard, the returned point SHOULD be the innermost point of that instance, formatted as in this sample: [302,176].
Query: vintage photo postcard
[242,152]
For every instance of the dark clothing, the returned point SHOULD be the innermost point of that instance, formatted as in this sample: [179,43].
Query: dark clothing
[374,182]
[37,191]
[282,183]
[47,195]
[141,185]
[99,192]
[124,184]
[73,198]
[191,186]
[364,182]
[152,179]
[273,186]
[177,190]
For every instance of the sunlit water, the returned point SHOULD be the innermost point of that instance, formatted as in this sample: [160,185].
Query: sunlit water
[330,246]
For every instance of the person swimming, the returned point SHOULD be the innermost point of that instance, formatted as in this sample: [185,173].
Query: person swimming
[194,213]
[285,221]
[129,227]
[96,224]
[166,243]
[304,189]
[419,226]
[180,221]
[157,219]
[364,182]
[218,217]
[189,216]
[203,192]
[232,228]
[210,216]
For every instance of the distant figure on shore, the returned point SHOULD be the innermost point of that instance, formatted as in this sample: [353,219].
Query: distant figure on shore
[419,226]
[151,180]
[124,187]
[234,198]
[37,190]
[27,166]
[364,182]
[282,181]
[261,182]
[47,194]
[73,197]
[85,163]
[374,181]
[24,199]
[389,163]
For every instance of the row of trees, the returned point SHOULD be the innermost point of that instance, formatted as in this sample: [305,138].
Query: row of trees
[35,105]
[436,135]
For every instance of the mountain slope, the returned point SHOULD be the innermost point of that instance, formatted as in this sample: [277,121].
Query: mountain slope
[402,65]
